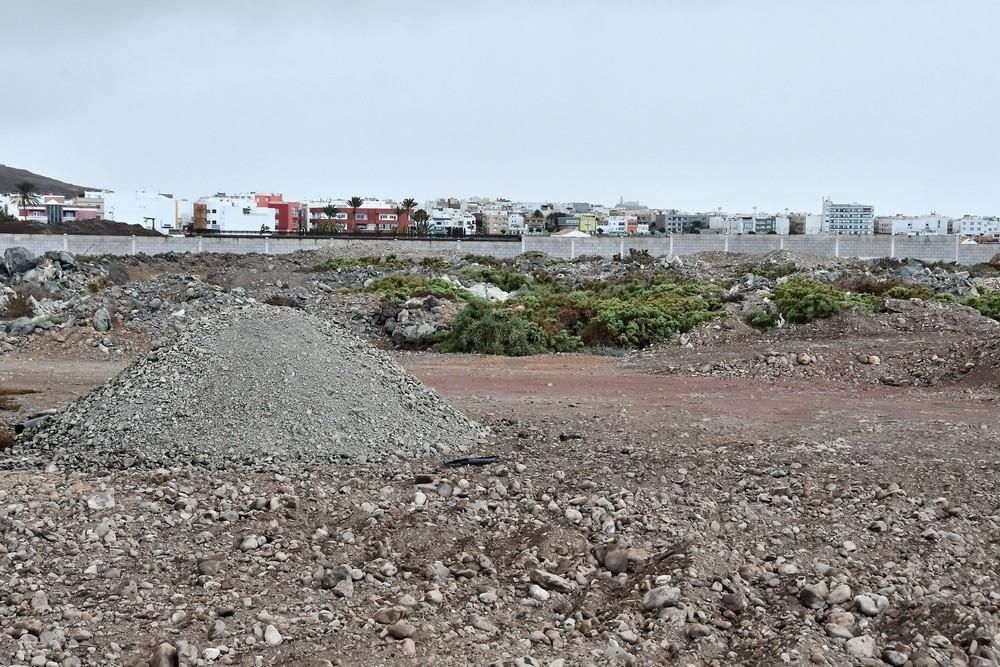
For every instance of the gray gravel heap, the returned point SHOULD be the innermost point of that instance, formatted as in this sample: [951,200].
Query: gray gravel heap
[254,387]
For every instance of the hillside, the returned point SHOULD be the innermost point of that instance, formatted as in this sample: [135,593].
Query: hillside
[9,177]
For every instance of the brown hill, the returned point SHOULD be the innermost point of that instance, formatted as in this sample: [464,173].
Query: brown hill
[10,177]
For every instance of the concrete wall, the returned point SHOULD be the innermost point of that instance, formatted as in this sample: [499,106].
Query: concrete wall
[927,248]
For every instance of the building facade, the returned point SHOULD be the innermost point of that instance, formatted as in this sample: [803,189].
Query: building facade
[749,224]
[976,225]
[373,216]
[852,219]
[237,214]
[153,211]
[912,225]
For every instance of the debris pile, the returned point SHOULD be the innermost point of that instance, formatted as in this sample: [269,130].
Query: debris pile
[256,388]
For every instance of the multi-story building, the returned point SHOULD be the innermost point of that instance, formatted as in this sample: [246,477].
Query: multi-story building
[451,222]
[229,214]
[752,223]
[588,223]
[678,222]
[515,223]
[373,215]
[854,219]
[912,225]
[54,209]
[976,225]
[151,210]
[615,225]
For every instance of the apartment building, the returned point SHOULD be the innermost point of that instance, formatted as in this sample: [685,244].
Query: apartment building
[749,224]
[852,219]
[373,215]
[912,225]
[976,225]
[233,214]
[154,211]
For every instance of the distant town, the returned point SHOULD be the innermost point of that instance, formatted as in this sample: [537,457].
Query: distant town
[256,213]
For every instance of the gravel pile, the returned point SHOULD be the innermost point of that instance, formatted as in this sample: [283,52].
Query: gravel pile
[256,388]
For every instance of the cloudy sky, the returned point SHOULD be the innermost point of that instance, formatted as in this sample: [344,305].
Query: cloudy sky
[693,104]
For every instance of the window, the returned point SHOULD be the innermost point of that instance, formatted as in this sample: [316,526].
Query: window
[360,216]
[388,216]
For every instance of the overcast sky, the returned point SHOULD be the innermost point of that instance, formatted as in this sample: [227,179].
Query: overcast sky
[694,104]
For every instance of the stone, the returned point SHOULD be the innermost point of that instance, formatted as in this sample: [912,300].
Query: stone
[866,606]
[272,636]
[538,593]
[389,615]
[18,260]
[550,581]
[102,500]
[894,658]
[164,655]
[660,597]
[22,326]
[210,566]
[814,596]
[401,630]
[839,595]
[102,319]
[734,602]
[860,647]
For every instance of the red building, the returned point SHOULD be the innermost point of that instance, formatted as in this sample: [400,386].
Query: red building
[290,215]
[375,217]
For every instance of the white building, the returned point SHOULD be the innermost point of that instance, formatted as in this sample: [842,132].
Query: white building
[749,224]
[976,225]
[614,225]
[515,223]
[233,214]
[853,219]
[813,224]
[452,221]
[152,211]
[912,225]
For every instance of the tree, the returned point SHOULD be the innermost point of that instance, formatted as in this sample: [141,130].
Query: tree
[26,195]
[552,220]
[421,218]
[355,203]
[330,211]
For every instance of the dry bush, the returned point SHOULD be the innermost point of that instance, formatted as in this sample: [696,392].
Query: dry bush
[19,305]
[282,300]
[6,439]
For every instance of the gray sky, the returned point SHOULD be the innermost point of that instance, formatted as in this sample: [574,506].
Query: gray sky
[683,103]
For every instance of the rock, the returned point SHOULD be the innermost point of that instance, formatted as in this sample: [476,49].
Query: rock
[550,581]
[860,647]
[102,319]
[735,602]
[894,658]
[251,542]
[660,597]
[538,593]
[814,596]
[839,595]
[389,615]
[210,566]
[102,500]
[272,636]
[866,606]
[22,326]
[18,260]
[164,655]
[401,630]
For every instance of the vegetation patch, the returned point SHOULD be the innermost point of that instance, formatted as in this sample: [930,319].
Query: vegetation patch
[988,304]
[19,305]
[399,288]
[487,329]
[508,281]
[375,261]
[802,300]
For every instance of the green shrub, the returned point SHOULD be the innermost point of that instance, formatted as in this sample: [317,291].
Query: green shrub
[485,260]
[508,281]
[762,319]
[802,300]
[769,270]
[488,329]
[988,304]
[377,261]
[398,288]
[434,263]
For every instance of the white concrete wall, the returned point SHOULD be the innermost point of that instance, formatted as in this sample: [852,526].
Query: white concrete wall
[928,248]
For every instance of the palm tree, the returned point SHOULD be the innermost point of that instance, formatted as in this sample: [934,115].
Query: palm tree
[355,203]
[330,211]
[26,195]
[408,205]
[421,218]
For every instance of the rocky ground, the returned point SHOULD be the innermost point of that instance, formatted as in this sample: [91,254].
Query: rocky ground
[700,503]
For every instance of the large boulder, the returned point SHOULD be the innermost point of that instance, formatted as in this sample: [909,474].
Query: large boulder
[18,260]
[61,256]
[22,326]
[102,320]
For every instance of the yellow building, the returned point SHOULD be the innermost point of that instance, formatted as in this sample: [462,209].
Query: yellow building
[588,223]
